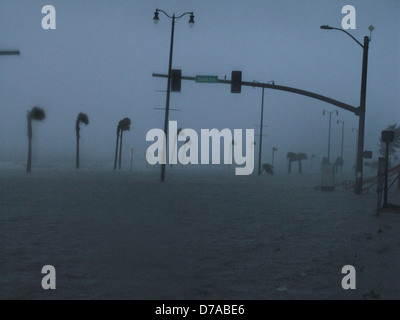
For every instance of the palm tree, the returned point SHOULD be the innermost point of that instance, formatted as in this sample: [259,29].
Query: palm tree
[116,147]
[299,158]
[125,125]
[273,155]
[291,156]
[82,117]
[35,114]
[268,168]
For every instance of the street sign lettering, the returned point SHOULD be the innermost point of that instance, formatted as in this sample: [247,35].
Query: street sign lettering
[207,79]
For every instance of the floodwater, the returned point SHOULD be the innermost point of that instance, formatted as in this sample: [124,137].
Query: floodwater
[200,235]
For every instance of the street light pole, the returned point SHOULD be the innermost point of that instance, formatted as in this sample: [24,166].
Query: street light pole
[361,109]
[329,135]
[166,117]
[355,162]
[361,120]
[341,148]
[261,127]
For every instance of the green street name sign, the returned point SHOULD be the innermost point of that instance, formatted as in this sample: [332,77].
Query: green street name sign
[207,79]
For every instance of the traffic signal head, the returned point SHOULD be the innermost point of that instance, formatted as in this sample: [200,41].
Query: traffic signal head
[176,75]
[236,82]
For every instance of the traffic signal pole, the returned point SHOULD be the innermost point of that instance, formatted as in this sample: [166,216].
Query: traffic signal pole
[310,94]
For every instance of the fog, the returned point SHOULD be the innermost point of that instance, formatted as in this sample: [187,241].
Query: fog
[100,59]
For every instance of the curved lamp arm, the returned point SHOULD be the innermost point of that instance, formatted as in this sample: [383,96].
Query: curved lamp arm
[183,14]
[326,27]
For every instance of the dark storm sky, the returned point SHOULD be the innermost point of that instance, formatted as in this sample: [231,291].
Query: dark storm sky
[101,57]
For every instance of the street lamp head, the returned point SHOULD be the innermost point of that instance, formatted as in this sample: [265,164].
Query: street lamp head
[191,20]
[326,27]
[156,18]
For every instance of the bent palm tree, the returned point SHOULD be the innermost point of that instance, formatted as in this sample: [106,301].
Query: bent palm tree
[124,125]
[116,148]
[82,117]
[35,114]
[291,156]
[299,158]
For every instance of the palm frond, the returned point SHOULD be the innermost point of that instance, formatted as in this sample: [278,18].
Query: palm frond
[37,114]
[291,156]
[83,117]
[301,157]
[125,124]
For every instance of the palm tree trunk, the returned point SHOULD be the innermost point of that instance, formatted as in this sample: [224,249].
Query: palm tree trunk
[300,168]
[77,144]
[120,151]
[28,166]
[116,150]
